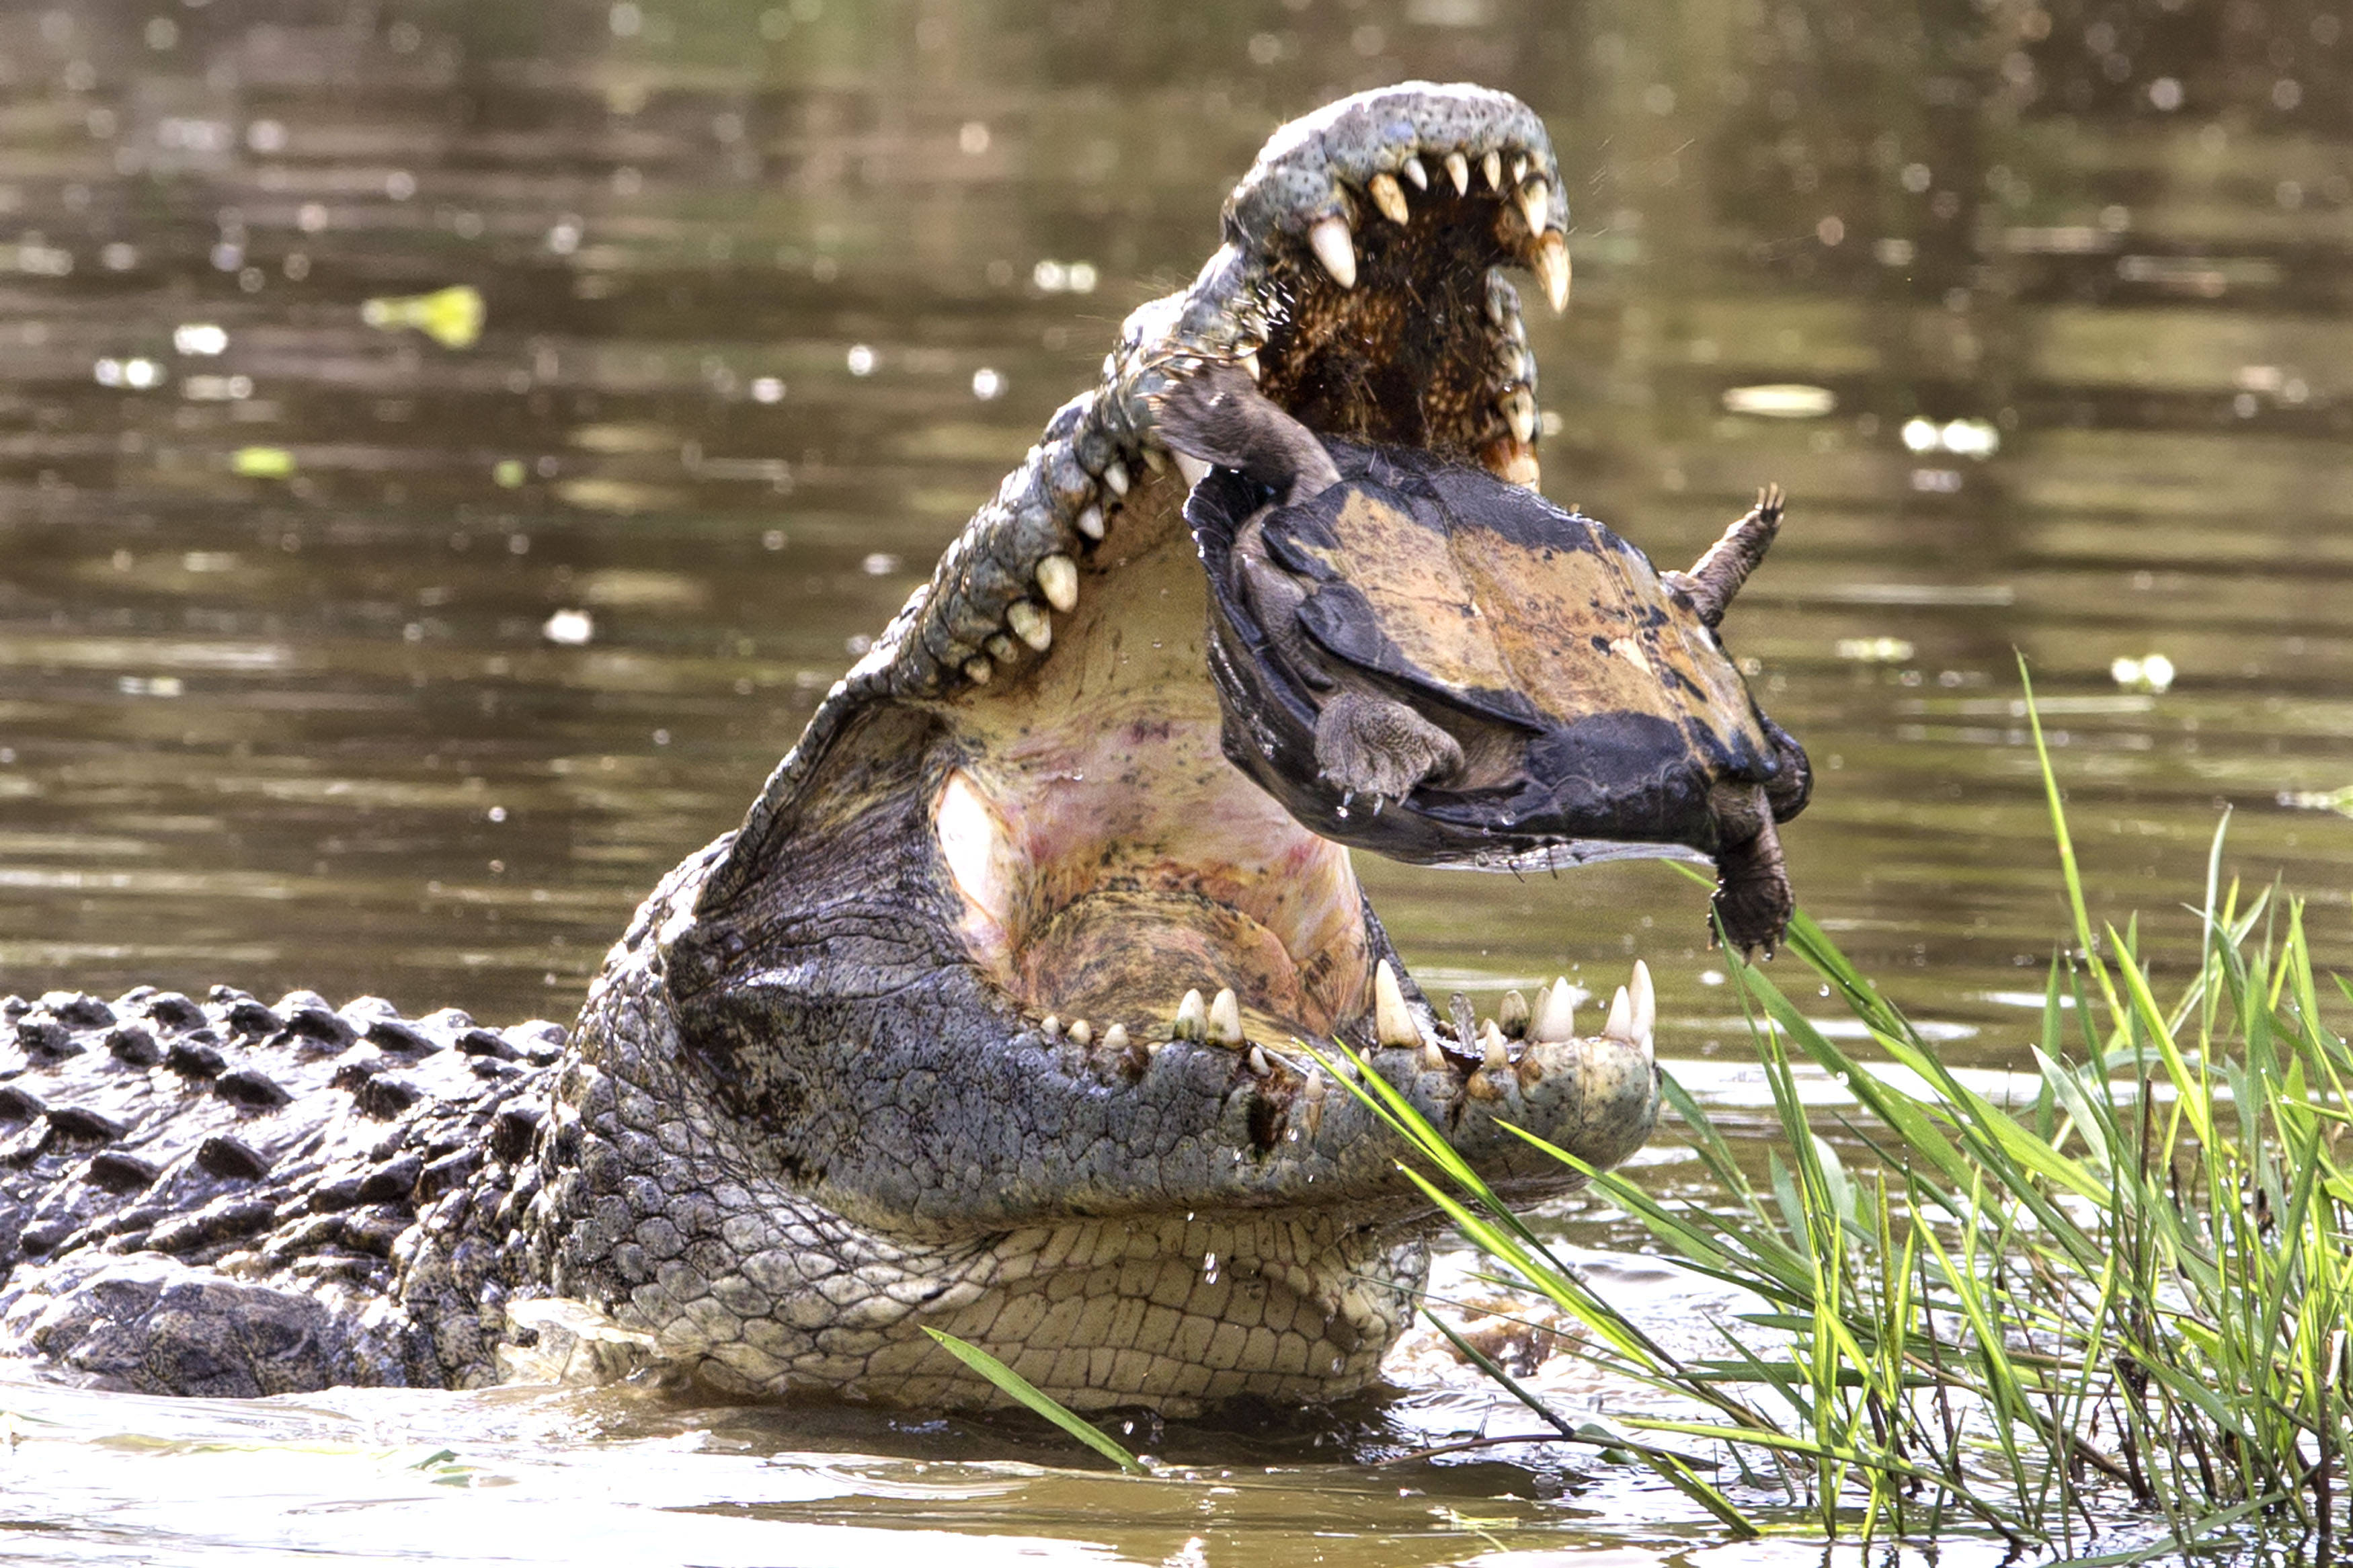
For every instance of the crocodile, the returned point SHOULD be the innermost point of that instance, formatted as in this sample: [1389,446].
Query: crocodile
[1012,1009]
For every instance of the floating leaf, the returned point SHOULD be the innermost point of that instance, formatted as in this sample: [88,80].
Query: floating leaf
[262,462]
[451,317]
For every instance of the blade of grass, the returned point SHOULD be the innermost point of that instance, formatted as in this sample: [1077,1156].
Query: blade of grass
[1020,1388]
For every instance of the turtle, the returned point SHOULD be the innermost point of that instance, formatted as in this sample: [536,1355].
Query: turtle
[1415,656]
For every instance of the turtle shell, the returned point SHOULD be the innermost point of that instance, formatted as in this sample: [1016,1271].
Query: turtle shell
[1605,710]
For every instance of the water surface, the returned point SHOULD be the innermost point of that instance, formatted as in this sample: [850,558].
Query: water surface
[774,294]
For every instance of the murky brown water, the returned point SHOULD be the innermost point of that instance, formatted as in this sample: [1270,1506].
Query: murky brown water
[773,295]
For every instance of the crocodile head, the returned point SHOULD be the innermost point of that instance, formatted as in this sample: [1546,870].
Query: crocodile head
[992,1012]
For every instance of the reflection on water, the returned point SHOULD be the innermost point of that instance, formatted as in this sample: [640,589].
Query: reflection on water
[390,648]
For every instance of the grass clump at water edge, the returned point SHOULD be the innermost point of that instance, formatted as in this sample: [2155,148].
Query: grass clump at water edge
[2132,1289]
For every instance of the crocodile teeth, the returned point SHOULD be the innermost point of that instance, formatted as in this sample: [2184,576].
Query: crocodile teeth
[1001,648]
[1392,1023]
[1556,1018]
[1491,165]
[1058,577]
[1389,196]
[1192,1017]
[1335,248]
[1226,1019]
[1030,624]
[1248,362]
[1519,168]
[1522,469]
[977,671]
[1412,169]
[1536,203]
[1458,169]
[1551,265]
[1514,1015]
[1432,1058]
[1115,472]
[1493,1055]
[1520,412]
[1082,1034]
[1646,1006]
[1258,1062]
[1155,459]
[1621,1025]
[1192,467]
[1090,521]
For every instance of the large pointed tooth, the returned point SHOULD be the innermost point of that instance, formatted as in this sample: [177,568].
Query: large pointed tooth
[1551,265]
[1154,458]
[1491,165]
[1458,169]
[1116,1039]
[1030,624]
[1002,648]
[1335,248]
[1192,467]
[1519,167]
[1646,1003]
[1226,1019]
[1493,1055]
[1621,1025]
[977,671]
[1115,472]
[1259,1065]
[1082,1034]
[1412,169]
[1432,1058]
[1192,1017]
[1514,1015]
[1057,577]
[1520,412]
[1392,1023]
[1556,1018]
[1389,196]
[1536,203]
[1248,359]
[1090,521]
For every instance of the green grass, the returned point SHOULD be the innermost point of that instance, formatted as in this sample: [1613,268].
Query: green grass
[2129,1294]
[1022,1391]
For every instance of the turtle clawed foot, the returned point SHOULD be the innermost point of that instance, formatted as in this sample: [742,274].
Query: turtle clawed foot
[1375,747]
[1753,902]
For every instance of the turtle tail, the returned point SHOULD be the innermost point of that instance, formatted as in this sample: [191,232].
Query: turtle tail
[1218,414]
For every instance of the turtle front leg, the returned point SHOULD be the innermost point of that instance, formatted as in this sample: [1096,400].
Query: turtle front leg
[1753,899]
[1374,745]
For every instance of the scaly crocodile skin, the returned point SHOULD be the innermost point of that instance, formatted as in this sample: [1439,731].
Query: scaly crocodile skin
[801,1118]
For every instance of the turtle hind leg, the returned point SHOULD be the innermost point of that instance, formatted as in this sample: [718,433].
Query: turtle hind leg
[1753,901]
[1377,746]
[1218,414]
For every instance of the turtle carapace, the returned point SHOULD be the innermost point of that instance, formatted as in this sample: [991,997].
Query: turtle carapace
[1416,657]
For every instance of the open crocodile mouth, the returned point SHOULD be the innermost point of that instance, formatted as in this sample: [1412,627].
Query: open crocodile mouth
[1119,880]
